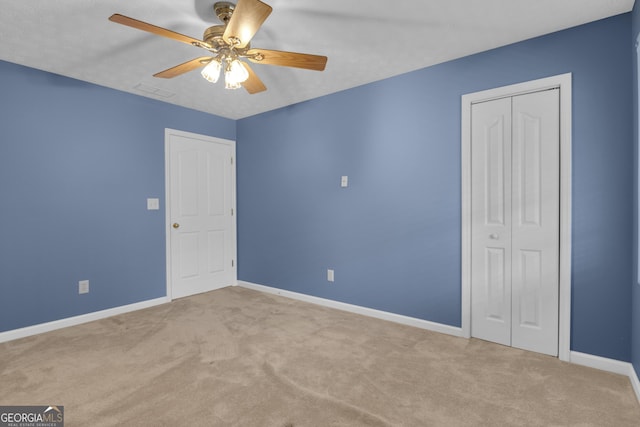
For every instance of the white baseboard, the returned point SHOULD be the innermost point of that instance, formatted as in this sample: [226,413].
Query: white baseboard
[635,383]
[609,365]
[378,314]
[602,363]
[77,320]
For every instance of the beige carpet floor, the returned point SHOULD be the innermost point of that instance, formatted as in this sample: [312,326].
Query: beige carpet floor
[237,357]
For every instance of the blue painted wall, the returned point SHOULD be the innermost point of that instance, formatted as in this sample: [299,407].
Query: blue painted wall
[635,287]
[77,163]
[393,236]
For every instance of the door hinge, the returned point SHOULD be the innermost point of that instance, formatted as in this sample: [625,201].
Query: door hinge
[232,160]
[231,211]
[233,263]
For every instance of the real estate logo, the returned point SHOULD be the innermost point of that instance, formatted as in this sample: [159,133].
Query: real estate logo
[32,416]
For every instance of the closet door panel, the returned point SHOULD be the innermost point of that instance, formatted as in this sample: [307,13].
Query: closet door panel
[535,221]
[491,221]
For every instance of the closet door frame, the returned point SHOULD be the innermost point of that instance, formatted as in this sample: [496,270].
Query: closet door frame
[563,83]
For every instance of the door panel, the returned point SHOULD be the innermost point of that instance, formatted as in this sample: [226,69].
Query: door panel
[528,169]
[188,255]
[496,171]
[491,221]
[531,276]
[216,247]
[496,284]
[536,225]
[216,184]
[201,205]
[187,184]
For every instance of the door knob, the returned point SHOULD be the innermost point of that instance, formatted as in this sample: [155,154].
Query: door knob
[176,225]
[491,236]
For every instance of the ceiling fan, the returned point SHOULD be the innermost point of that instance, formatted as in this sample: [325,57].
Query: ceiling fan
[228,44]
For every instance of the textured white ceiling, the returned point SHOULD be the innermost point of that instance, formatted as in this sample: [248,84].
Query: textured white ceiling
[365,40]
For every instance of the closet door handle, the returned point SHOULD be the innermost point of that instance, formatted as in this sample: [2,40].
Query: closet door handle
[494,236]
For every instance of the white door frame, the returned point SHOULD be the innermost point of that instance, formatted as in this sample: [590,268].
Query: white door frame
[563,82]
[167,197]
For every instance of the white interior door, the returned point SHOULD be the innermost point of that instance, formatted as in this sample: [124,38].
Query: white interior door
[491,221]
[515,221]
[202,237]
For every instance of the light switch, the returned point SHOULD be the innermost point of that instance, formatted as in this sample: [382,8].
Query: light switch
[153,204]
[83,287]
[344,182]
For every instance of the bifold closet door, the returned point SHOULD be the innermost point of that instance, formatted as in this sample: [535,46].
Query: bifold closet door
[491,221]
[515,221]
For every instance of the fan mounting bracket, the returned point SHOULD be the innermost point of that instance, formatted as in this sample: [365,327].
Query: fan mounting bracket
[224,10]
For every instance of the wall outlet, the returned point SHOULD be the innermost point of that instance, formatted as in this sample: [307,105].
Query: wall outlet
[330,275]
[83,287]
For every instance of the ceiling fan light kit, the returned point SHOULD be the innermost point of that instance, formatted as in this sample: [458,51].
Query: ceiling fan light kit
[211,71]
[235,74]
[229,43]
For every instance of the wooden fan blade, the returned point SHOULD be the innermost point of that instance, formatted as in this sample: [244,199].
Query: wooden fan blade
[134,23]
[253,84]
[287,59]
[184,67]
[245,21]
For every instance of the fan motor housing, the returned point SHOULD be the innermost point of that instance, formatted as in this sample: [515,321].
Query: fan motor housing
[213,35]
